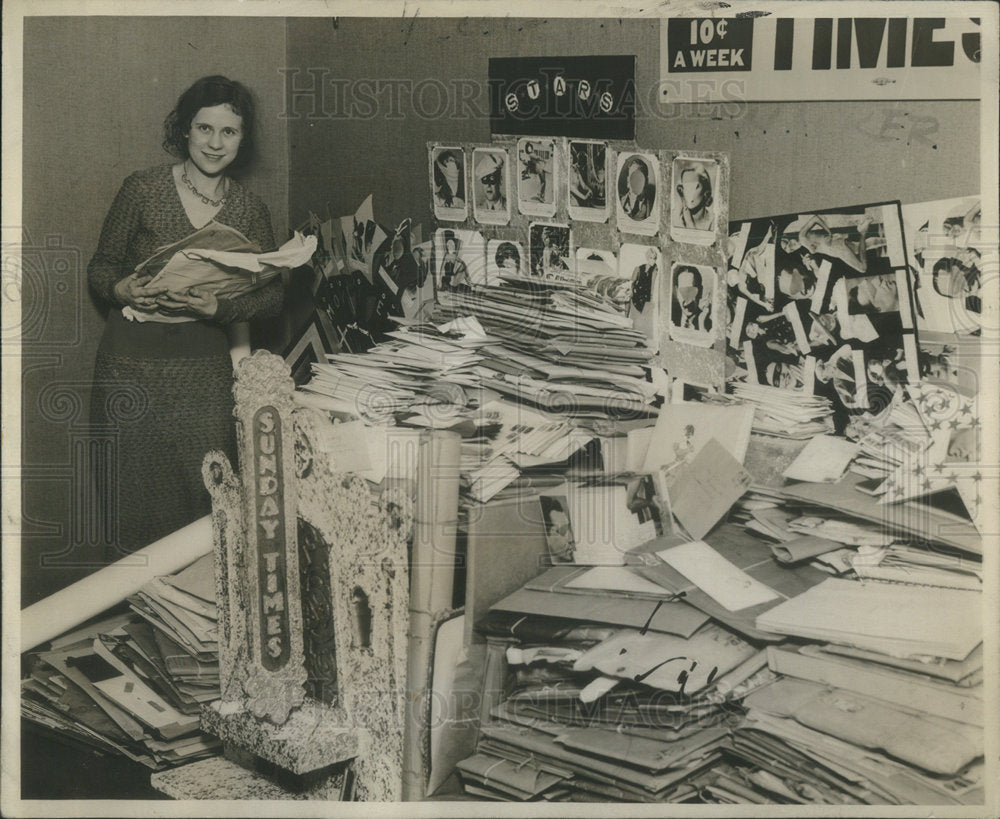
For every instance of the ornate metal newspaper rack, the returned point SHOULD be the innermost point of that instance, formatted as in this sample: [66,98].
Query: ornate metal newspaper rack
[312,591]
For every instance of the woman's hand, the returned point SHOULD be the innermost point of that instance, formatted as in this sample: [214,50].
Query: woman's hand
[132,291]
[196,300]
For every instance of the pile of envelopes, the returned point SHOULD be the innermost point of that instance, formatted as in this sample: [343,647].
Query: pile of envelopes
[788,638]
[134,685]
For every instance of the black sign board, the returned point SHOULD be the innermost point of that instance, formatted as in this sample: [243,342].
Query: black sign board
[699,44]
[563,96]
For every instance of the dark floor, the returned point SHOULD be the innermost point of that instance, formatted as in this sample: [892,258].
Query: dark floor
[53,769]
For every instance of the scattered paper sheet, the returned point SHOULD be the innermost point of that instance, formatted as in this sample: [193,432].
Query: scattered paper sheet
[902,620]
[466,326]
[704,490]
[823,460]
[616,578]
[724,582]
[683,429]
[803,548]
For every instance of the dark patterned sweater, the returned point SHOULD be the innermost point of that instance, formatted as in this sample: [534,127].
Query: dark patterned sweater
[147,214]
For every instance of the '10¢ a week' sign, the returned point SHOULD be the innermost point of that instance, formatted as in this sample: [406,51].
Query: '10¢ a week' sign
[766,58]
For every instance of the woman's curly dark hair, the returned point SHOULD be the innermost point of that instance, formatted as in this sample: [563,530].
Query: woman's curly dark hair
[206,93]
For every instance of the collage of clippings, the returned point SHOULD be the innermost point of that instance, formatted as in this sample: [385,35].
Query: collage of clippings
[363,278]
[823,303]
[590,212]
[945,244]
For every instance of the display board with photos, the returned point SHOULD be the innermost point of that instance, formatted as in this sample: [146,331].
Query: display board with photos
[823,303]
[644,229]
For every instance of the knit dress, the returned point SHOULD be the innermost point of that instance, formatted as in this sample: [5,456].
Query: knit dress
[163,391]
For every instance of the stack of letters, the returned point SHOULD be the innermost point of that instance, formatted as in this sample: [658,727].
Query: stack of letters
[134,685]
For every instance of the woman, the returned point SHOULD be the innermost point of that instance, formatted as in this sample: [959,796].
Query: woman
[811,234]
[508,258]
[776,331]
[578,188]
[553,256]
[454,273]
[695,192]
[449,185]
[635,191]
[174,356]
[692,306]
[642,281]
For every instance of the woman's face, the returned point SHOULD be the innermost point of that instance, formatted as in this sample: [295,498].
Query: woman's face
[636,180]
[692,191]
[880,292]
[790,243]
[779,375]
[686,288]
[876,372]
[814,238]
[214,138]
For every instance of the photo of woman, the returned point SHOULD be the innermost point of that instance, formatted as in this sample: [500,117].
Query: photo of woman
[597,270]
[550,246]
[644,267]
[504,257]
[454,273]
[637,207]
[588,199]
[447,167]
[175,349]
[692,209]
[459,260]
[536,178]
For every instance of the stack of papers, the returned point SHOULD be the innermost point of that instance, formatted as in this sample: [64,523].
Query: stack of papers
[808,743]
[885,706]
[595,709]
[784,413]
[557,349]
[421,374]
[900,563]
[896,619]
[182,610]
[135,686]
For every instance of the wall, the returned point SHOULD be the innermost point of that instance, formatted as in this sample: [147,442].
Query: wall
[785,156]
[96,90]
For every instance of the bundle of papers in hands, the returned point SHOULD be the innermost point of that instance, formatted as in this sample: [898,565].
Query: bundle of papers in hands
[220,260]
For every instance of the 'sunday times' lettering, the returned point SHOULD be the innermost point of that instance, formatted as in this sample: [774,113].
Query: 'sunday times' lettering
[270,536]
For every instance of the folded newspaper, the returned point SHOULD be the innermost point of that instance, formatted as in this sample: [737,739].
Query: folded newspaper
[221,260]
